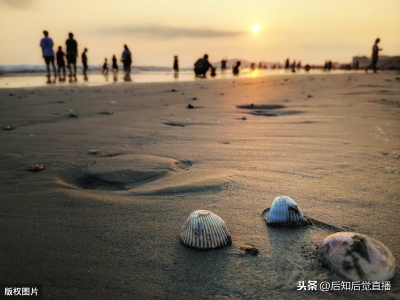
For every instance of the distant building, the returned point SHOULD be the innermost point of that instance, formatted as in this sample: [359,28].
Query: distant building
[384,62]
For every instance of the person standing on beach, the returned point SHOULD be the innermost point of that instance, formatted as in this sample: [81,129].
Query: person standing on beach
[223,64]
[60,63]
[47,44]
[235,69]
[114,64]
[176,64]
[287,63]
[375,54]
[127,60]
[105,67]
[84,62]
[72,54]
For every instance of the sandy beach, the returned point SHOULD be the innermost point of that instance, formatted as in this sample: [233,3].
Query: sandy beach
[125,165]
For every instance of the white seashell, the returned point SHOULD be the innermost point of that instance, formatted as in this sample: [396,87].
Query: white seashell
[358,257]
[284,211]
[205,230]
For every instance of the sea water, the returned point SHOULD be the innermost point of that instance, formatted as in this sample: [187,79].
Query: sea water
[23,76]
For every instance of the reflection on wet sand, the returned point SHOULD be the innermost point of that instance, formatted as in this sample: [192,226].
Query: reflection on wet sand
[138,76]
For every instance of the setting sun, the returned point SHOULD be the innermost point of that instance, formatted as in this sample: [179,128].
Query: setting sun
[255,28]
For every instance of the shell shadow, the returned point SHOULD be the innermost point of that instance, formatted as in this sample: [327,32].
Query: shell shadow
[292,255]
[293,250]
[205,270]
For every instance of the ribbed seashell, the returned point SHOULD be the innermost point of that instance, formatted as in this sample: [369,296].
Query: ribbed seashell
[358,257]
[205,230]
[284,211]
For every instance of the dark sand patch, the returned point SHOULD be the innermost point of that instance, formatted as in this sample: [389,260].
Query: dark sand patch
[356,93]
[261,106]
[56,102]
[266,113]
[114,154]
[114,181]
[265,110]
[387,102]
[177,124]
[97,177]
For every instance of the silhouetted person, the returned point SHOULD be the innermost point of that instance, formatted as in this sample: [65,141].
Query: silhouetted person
[127,60]
[287,64]
[236,68]
[114,64]
[294,66]
[105,67]
[329,65]
[299,65]
[47,44]
[357,65]
[213,69]
[223,65]
[176,64]
[375,54]
[326,65]
[60,62]
[201,66]
[84,63]
[72,54]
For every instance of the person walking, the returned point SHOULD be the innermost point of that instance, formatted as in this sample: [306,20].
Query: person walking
[47,44]
[375,54]
[72,54]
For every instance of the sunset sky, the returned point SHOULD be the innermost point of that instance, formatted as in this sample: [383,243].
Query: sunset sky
[308,30]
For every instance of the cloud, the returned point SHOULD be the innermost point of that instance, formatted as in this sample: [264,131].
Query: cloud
[172,32]
[19,4]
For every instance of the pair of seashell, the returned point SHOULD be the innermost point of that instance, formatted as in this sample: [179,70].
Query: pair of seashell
[205,230]
[355,256]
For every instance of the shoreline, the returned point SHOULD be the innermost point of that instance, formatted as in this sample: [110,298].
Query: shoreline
[95,78]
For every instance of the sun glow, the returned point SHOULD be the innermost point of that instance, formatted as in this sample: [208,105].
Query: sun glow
[255,28]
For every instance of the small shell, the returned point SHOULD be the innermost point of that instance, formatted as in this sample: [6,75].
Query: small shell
[205,230]
[285,212]
[358,257]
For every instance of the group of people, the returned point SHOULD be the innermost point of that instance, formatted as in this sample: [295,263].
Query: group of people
[292,66]
[47,44]
[202,65]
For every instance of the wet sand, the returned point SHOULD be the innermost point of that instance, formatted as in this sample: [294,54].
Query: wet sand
[125,165]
